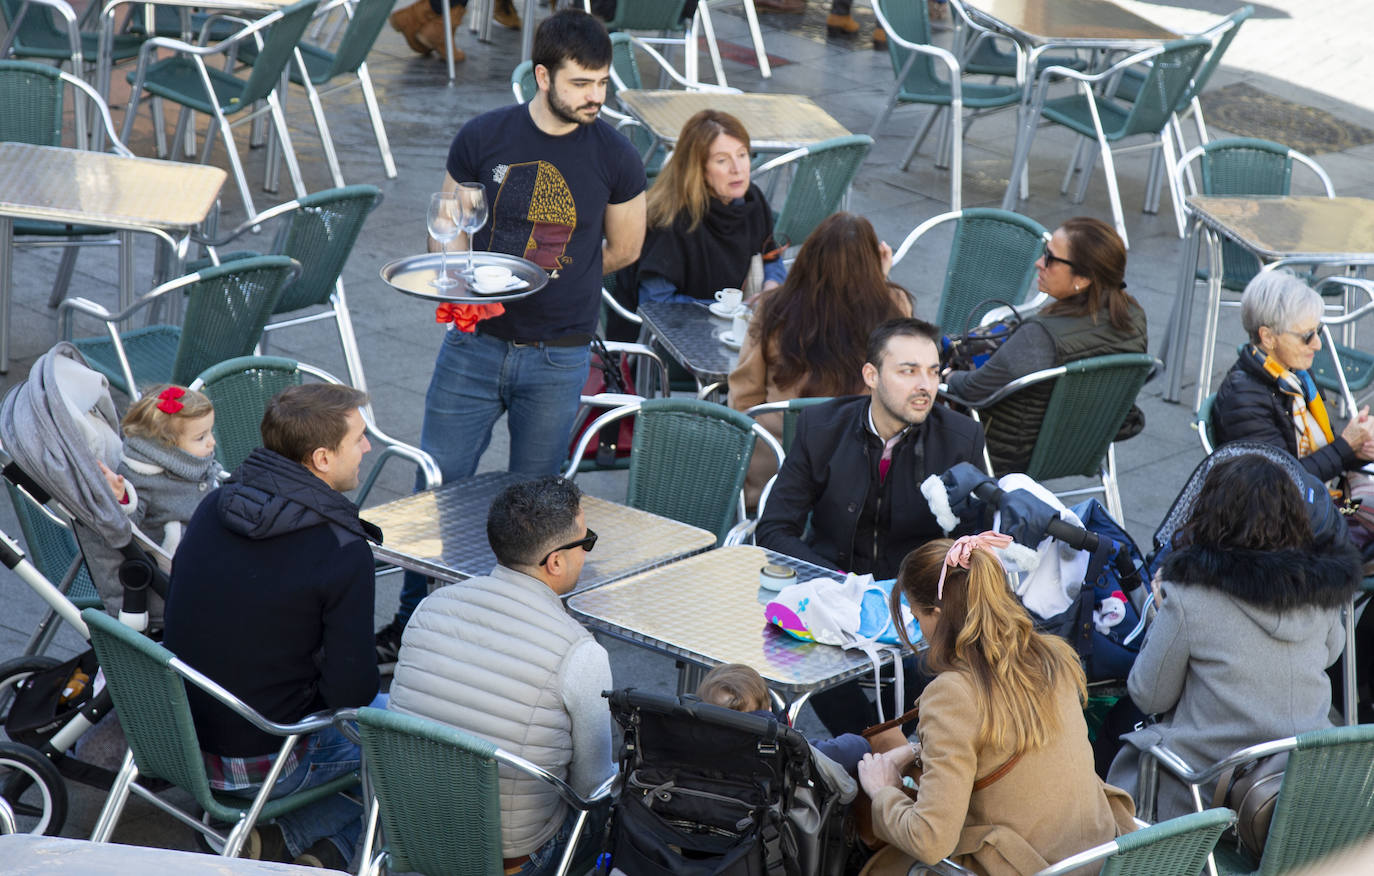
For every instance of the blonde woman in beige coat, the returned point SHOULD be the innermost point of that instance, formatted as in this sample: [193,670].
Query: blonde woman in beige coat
[1003,711]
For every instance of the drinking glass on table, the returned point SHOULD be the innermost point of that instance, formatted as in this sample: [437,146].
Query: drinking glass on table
[472,200]
[445,221]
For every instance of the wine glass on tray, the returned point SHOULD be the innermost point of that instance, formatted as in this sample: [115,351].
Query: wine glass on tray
[445,221]
[472,203]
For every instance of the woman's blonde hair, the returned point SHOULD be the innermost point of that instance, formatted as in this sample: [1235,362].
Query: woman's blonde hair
[145,419]
[734,686]
[681,184]
[984,631]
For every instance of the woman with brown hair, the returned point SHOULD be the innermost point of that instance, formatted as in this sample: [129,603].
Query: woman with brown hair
[707,221]
[1007,783]
[1083,270]
[808,336]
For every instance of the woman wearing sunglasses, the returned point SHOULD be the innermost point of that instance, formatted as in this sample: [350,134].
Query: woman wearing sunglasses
[1083,271]
[1268,395]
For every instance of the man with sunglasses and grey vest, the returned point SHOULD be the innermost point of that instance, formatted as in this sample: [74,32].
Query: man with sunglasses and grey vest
[499,657]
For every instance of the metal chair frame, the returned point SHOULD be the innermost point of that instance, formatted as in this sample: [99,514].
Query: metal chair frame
[952,145]
[1107,468]
[1085,83]
[293,18]
[743,524]
[947,316]
[113,320]
[126,781]
[1215,301]
[392,447]
[1342,383]
[445,734]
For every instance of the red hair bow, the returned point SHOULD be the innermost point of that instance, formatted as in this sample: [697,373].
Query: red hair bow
[168,403]
[466,316]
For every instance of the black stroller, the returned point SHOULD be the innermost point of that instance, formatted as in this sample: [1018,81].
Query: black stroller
[706,790]
[54,426]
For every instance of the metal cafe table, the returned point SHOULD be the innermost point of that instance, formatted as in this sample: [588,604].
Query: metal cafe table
[707,609]
[777,122]
[691,335]
[1039,26]
[442,533]
[51,183]
[1307,230]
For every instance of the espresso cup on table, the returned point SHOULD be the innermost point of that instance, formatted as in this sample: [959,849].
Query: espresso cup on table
[739,327]
[730,299]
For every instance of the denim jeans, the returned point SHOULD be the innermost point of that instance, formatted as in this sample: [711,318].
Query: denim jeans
[324,756]
[544,860]
[476,379]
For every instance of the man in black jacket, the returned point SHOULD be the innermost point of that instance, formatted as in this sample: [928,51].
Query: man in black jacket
[857,463]
[272,597]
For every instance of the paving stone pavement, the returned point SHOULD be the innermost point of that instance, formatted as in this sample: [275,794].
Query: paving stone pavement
[1314,54]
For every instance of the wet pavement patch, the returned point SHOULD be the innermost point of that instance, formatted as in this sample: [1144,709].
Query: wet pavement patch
[1249,112]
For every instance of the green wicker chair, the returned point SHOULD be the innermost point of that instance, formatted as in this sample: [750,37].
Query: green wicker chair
[32,95]
[1239,166]
[318,231]
[992,256]
[54,552]
[791,410]
[148,685]
[1337,367]
[1324,804]
[1088,401]
[689,459]
[522,83]
[820,176]
[226,308]
[1105,120]
[919,80]
[454,824]
[40,36]
[183,77]
[240,389]
[317,66]
[1177,847]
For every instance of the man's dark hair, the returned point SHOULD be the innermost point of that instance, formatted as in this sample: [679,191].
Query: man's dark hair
[529,519]
[904,326]
[301,419]
[571,34]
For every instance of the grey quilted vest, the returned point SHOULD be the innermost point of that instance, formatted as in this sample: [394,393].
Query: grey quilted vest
[486,655]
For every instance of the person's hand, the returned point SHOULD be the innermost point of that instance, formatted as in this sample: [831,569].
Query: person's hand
[885,257]
[116,482]
[876,772]
[1359,431]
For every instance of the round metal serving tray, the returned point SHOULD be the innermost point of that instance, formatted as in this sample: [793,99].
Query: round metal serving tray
[412,275]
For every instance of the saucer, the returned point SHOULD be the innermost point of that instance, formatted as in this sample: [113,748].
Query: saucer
[513,284]
[728,338]
[719,309]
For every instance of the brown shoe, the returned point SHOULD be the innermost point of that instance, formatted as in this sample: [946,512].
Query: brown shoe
[505,15]
[431,36]
[410,19]
[879,38]
[780,5]
[838,25]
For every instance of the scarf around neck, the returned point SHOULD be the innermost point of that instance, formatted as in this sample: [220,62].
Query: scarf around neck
[1310,420]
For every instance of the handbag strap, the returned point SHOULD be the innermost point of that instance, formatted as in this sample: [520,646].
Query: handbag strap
[992,777]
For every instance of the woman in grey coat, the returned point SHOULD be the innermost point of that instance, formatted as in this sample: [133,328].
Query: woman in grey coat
[1249,619]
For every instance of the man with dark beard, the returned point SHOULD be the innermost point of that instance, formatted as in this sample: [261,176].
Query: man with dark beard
[559,182]
[857,463]
[855,470]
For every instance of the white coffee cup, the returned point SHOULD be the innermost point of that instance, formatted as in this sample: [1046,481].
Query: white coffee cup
[730,299]
[492,278]
[739,327]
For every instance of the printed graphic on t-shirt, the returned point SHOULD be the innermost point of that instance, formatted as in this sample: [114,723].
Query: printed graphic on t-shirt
[534,215]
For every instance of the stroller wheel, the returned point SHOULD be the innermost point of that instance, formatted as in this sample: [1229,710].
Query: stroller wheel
[33,790]
[12,672]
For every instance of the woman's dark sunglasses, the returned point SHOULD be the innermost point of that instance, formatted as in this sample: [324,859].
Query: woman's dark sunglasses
[1051,258]
[586,542]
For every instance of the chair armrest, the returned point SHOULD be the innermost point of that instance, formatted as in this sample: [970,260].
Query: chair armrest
[1179,768]
[920,230]
[1018,384]
[590,432]
[619,309]
[643,351]
[1365,286]
[255,225]
[308,724]
[740,532]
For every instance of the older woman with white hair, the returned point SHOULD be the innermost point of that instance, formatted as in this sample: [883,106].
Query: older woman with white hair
[1268,396]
